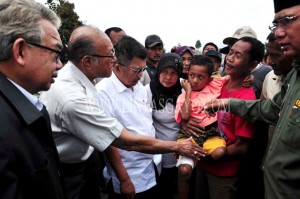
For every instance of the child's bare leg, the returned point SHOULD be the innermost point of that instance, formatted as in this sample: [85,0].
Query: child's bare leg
[218,153]
[184,176]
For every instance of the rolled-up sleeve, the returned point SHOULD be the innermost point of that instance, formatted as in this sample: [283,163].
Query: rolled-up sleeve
[87,121]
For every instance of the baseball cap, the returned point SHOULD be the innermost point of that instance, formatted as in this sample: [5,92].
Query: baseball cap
[225,50]
[283,4]
[152,40]
[212,53]
[245,31]
[183,49]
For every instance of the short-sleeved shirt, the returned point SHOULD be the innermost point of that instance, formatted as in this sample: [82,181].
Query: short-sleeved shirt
[132,109]
[198,99]
[231,126]
[78,123]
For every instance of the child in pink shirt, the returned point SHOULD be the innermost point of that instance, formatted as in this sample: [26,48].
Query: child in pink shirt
[199,89]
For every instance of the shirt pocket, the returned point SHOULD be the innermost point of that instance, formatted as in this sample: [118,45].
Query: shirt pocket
[291,133]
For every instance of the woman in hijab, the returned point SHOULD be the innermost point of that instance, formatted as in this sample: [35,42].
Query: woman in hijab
[163,91]
[186,53]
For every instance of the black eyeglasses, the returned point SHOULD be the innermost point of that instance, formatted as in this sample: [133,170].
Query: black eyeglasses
[136,70]
[104,56]
[283,22]
[58,52]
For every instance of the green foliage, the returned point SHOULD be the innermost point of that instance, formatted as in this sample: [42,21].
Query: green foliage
[69,18]
[198,44]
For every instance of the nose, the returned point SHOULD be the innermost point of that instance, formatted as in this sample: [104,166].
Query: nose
[59,65]
[140,74]
[186,62]
[194,81]
[168,76]
[113,60]
[228,58]
[279,32]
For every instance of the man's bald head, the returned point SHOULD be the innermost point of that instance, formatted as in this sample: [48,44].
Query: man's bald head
[83,41]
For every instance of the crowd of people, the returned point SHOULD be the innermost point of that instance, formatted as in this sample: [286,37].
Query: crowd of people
[118,119]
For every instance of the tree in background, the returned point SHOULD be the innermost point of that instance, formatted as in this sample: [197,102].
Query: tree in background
[69,18]
[198,44]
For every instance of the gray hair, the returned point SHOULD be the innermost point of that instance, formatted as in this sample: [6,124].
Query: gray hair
[21,19]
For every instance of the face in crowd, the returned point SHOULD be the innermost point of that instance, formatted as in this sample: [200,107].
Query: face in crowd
[198,77]
[280,63]
[43,60]
[208,48]
[168,77]
[286,26]
[130,74]
[186,59]
[238,59]
[154,53]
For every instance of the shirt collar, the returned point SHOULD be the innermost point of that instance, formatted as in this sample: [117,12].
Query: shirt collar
[82,78]
[296,64]
[33,99]
[119,85]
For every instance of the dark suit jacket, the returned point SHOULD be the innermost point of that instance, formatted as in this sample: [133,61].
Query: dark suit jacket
[29,164]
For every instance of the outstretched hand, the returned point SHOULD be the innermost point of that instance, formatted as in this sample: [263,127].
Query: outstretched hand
[190,149]
[213,106]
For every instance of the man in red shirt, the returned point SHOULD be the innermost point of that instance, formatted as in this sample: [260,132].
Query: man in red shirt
[219,179]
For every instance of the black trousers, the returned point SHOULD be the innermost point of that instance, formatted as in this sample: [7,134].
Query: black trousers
[149,194]
[82,180]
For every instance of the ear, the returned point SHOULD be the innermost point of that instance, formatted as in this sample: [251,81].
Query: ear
[252,65]
[117,67]
[19,51]
[87,62]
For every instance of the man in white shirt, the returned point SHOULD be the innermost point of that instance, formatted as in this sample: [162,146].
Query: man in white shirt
[126,100]
[281,66]
[79,123]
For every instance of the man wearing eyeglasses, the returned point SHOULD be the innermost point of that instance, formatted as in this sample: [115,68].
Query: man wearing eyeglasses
[281,166]
[29,60]
[132,174]
[78,121]
[114,34]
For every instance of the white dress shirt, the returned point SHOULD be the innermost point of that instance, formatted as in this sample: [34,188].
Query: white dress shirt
[131,108]
[78,123]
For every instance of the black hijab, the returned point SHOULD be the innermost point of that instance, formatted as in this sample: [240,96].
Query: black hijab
[160,94]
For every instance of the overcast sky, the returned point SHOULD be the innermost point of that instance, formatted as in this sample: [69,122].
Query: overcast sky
[175,21]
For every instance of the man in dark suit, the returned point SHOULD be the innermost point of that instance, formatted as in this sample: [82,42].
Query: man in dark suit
[29,58]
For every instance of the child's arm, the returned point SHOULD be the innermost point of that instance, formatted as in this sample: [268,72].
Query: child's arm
[186,107]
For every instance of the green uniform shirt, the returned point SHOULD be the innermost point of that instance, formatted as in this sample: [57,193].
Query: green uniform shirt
[282,164]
